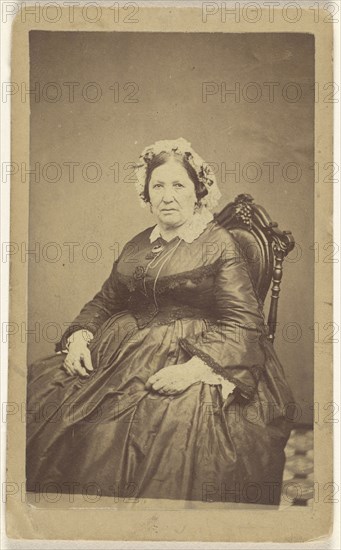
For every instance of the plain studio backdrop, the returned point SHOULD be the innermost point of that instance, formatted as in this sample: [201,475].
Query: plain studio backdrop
[244,101]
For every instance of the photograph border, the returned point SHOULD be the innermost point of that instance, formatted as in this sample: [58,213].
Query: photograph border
[132,522]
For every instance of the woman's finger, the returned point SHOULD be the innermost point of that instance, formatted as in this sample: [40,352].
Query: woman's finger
[158,385]
[151,380]
[68,364]
[81,370]
[167,375]
[148,384]
[162,381]
[167,386]
[77,368]
[173,389]
[154,377]
[169,390]
[67,369]
[70,360]
[86,356]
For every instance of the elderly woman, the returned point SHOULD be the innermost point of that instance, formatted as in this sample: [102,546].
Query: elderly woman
[165,385]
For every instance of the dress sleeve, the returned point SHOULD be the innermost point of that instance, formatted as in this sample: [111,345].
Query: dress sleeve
[110,299]
[232,345]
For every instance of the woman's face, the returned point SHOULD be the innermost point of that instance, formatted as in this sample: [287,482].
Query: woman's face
[172,194]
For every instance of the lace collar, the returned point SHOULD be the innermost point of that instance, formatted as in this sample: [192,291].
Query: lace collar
[190,230]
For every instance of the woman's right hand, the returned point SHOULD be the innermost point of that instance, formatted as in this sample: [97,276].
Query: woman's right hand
[78,359]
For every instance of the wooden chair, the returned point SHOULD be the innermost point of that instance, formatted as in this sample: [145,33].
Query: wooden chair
[263,245]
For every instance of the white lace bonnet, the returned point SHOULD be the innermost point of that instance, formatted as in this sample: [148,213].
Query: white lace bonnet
[179,147]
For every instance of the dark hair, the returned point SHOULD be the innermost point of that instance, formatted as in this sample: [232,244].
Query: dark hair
[162,158]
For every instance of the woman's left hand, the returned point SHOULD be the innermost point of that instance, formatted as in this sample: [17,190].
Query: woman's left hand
[177,378]
[174,379]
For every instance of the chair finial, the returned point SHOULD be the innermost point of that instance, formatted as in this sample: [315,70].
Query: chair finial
[243,210]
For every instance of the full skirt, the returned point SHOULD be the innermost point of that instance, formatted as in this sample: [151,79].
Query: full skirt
[108,435]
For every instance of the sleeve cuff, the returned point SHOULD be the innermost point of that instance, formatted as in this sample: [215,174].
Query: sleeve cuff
[246,391]
[62,345]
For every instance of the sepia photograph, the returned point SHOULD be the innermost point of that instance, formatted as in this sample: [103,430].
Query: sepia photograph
[166,381]
[171,250]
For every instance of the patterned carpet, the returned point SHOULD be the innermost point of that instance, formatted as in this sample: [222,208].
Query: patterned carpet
[298,479]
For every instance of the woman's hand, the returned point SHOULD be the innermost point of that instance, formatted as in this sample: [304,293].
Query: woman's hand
[177,378]
[173,379]
[78,359]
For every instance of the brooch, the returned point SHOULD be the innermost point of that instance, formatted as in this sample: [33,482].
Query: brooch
[155,251]
[139,272]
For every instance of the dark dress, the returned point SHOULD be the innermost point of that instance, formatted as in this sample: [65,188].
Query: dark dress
[112,436]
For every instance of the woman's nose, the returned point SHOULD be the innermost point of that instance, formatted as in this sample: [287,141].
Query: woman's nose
[168,195]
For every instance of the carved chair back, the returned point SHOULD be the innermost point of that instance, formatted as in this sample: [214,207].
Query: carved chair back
[263,245]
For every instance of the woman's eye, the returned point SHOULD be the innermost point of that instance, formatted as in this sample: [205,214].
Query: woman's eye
[178,185]
[157,186]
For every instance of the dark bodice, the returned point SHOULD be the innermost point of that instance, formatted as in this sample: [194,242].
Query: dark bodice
[165,298]
[160,288]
